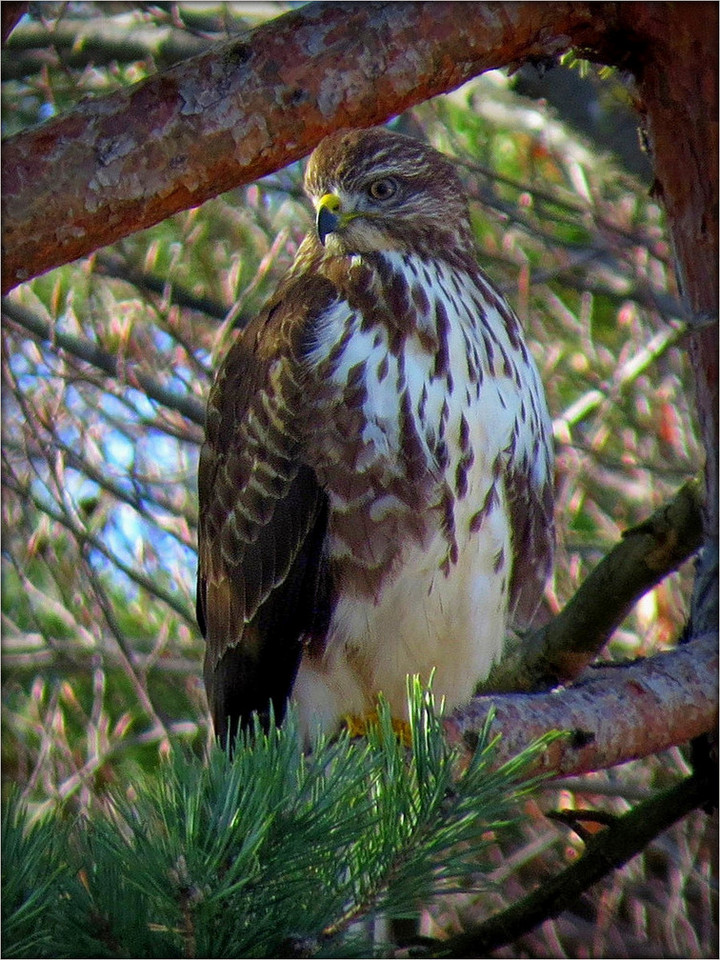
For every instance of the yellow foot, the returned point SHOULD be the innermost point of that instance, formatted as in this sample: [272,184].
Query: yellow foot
[358,726]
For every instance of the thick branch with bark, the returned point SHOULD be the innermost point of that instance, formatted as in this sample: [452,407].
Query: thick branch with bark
[622,713]
[120,163]
[672,50]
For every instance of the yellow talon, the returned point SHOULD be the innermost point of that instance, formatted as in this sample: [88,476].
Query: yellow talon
[403,731]
[358,726]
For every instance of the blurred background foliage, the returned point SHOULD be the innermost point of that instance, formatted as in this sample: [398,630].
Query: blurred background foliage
[107,363]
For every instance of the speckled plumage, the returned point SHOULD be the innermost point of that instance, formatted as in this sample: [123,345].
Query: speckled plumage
[375,483]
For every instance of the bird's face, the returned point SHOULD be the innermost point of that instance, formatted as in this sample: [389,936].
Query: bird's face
[376,191]
[357,221]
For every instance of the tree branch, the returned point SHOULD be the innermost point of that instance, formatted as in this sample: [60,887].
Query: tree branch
[606,851]
[559,651]
[125,161]
[618,714]
[686,180]
[79,42]
[186,404]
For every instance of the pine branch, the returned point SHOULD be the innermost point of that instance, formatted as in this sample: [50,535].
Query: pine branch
[258,855]
[559,651]
[608,850]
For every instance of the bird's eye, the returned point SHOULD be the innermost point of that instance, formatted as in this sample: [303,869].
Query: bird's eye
[382,189]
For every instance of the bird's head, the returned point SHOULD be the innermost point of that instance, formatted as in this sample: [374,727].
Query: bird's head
[375,191]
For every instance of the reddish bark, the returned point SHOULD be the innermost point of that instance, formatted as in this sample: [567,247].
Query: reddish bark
[619,714]
[123,162]
[674,54]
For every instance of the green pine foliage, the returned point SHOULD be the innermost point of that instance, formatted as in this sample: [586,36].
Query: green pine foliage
[273,852]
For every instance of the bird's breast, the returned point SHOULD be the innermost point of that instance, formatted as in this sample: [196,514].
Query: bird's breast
[410,436]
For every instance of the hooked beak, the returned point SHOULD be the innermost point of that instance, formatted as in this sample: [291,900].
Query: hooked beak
[328,216]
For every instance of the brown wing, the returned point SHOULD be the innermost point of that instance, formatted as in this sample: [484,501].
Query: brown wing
[263,583]
[530,506]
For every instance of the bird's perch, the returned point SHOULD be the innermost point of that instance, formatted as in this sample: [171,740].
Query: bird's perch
[123,162]
[620,714]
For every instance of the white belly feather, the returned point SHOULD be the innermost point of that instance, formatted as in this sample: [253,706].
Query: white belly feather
[451,625]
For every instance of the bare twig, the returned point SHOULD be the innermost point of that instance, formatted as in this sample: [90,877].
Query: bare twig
[606,851]
[90,353]
[84,536]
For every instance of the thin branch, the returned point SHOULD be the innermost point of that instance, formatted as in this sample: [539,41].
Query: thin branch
[108,264]
[559,651]
[592,787]
[78,42]
[83,536]
[595,400]
[174,520]
[606,851]
[90,353]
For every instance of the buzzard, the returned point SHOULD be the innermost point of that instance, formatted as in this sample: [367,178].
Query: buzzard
[375,482]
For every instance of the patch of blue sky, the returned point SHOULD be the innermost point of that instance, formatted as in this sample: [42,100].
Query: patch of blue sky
[77,489]
[137,542]
[119,452]
[164,341]
[164,455]
[28,371]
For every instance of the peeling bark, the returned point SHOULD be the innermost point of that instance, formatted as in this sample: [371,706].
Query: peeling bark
[620,713]
[123,162]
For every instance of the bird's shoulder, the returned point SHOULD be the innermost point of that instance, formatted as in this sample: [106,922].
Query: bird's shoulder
[273,343]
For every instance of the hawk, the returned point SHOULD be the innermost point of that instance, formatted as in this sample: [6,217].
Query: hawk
[375,493]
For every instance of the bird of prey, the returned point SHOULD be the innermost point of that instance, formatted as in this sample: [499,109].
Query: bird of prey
[375,485]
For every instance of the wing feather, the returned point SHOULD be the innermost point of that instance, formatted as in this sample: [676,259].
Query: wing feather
[263,585]
[530,506]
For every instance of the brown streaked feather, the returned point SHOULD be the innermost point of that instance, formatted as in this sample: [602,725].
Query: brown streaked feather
[533,540]
[262,581]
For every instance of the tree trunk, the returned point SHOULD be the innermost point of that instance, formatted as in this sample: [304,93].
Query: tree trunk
[674,55]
